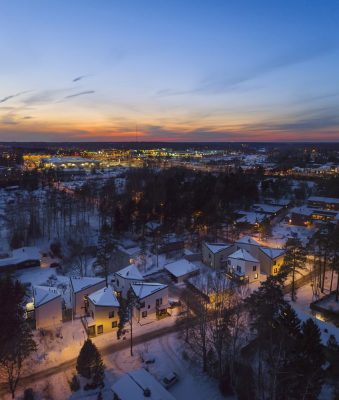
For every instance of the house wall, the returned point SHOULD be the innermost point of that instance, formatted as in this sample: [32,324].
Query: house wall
[215,260]
[101,317]
[246,268]
[124,285]
[150,305]
[269,266]
[253,249]
[78,298]
[49,314]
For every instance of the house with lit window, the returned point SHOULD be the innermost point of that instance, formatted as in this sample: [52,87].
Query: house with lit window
[46,307]
[102,312]
[243,266]
[123,279]
[81,288]
[215,255]
[151,301]
[271,260]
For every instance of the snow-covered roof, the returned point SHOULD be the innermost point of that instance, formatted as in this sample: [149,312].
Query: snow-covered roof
[209,282]
[251,217]
[302,211]
[216,247]
[153,225]
[181,267]
[104,297]
[266,208]
[21,255]
[130,272]
[272,252]
[247,240]
[242,254]
[79,284]
[133,386]
[131,251]
[321,199]
[44,294]
[145,289]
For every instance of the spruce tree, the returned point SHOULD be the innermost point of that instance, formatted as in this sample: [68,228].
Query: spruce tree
[89,363]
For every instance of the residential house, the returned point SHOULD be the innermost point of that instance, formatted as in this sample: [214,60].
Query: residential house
[243,266]
[124,278]
[102,312]
[215,255]
[152,300]
[24,257]
[81,288]
[271,260]
[46,308]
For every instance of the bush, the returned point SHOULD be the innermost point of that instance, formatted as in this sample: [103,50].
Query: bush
[74,384]
[28,394]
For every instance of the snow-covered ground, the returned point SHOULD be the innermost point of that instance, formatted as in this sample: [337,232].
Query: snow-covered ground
[168,354]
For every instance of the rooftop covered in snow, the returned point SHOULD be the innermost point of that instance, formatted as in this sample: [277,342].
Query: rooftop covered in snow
[273,252]
[247,240]
[216,247]
[104,298]
[145,289]
[181,267]
[79,284]
[242,254]
[130,272]
[44,294]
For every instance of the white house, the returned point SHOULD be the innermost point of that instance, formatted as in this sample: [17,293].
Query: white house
[242,265]
[47,306]
[215,254]
[102,312]
[152,300]
[181,270]
[249,244]
[139,385]
[81,288]
[124,278]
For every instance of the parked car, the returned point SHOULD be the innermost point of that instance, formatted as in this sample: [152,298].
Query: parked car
[169,380]
[147,358]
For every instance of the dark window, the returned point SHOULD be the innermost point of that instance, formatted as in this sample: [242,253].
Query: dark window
[117,282]
[111,314]
[254,267]
[274,262]
[158,302]
[142,304]
[144,314]
[100,329]
[114,324]
[149,306]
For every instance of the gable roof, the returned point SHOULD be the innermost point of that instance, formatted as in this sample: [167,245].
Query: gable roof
[273,253]
[181,267]
[44,294]
[130,272]
[104,297]
[247,240]
[216,247]
[79,284]
[145,289]
[133,385]
[242,254]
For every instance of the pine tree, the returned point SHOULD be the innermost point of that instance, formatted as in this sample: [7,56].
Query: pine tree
[306,370]
[295,260]
[89,363]
[105,248]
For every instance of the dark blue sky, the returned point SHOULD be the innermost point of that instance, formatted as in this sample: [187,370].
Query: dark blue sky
[179,70]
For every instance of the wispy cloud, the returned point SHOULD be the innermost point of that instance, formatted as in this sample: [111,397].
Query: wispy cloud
[221,82]
[80,77]
[12,96]
[79,94]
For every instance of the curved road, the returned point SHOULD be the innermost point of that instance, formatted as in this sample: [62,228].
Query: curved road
[111,348]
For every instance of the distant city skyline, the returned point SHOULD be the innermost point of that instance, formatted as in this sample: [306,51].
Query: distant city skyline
[169,70]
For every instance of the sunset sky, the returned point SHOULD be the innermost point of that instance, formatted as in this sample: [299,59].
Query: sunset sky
[94,70]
